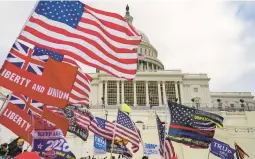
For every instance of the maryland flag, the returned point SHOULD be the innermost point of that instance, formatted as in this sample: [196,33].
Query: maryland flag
[240,152]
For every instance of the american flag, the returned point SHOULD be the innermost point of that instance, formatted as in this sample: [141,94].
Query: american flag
[196,125]
[94,37]
[166,147]
[26,58]
[141,56]
[126,130]
[240,153]
[81,87]
[74,114]
[27,104]
[102,128]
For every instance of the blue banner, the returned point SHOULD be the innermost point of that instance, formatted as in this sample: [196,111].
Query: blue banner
[151,149]
[99,145]
[221,150]
[51,143]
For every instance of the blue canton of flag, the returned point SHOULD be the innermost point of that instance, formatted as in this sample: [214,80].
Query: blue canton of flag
[124,120]
[52,54]
[67,12]
[101,122]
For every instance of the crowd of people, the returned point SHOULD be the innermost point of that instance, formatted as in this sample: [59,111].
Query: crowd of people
[9,151]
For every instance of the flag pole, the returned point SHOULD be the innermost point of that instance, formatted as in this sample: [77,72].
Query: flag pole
[209,151]
[181,151]
[114,130]
[5,102]
[164,148]
[208,154]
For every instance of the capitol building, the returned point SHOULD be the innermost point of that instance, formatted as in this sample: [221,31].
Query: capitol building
[148,94]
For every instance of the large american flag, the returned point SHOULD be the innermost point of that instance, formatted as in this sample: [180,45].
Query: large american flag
[166,147]
[126,129]
[196,125]
[27,104]
[101,39]
[81,88]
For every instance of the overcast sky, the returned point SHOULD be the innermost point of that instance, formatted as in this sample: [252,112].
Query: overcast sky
[213,37]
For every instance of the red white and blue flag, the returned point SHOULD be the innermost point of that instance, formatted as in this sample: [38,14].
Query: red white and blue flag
[27,104]
[126,130]
[166,147]
[81,87]
[97,38]
[26,58]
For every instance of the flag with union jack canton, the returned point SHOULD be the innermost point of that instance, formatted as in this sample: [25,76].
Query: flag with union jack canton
[81,88]
[33,59]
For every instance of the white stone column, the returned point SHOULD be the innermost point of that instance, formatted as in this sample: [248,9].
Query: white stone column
[122,92]
[148,66]
[159,95]
[134,85]
[164,92]
[118,92]
[147,93]
[176,90]
[141,66]
[105,94]
[182,91]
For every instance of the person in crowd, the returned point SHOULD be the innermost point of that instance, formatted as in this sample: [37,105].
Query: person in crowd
[145,157]
[4,150]
[16,149]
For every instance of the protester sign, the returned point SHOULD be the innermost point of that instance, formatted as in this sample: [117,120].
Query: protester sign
[51,142]
[221,150]
[151,149]
[99,145]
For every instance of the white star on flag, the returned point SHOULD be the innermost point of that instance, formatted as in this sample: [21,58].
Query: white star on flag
[39,146]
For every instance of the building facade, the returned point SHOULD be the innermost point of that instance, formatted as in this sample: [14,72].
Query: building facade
[154,86]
